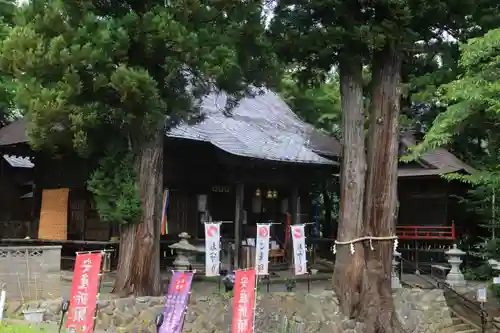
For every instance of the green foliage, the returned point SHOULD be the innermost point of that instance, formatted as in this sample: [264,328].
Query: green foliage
[114,185]
[471,98]
[7,8]
[118,72]
[483,272]
[319,106]
[313,35]
[11,328]
[290,284]
[495,290]
[488,249]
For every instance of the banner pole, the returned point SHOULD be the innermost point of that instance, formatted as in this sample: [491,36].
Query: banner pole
[185,313]
[293,253]
[101,277]
[255,301]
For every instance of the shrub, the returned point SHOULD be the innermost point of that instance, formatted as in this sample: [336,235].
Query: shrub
[495,290]
[483,272]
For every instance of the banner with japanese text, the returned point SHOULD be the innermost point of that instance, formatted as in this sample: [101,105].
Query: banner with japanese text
[262,250]
[299,249]
[84,289]
[212,249]
[243,301]
[176,302]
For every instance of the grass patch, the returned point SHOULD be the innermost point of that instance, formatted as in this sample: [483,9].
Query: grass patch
[18,328]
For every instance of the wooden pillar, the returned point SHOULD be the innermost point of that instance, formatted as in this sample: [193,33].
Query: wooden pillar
[295,205]
[38,180]
[295,218]
[238,219]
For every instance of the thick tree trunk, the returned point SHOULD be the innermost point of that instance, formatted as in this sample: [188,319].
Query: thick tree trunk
[348,271]
[139,260]
[381,191]
[362,281]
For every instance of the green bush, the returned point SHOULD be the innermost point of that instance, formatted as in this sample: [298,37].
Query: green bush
[483,272]
[495,290]
[482,252]
[11,328]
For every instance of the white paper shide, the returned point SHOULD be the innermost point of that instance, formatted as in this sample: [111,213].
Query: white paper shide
[212,249]
[299,249]
[262,249]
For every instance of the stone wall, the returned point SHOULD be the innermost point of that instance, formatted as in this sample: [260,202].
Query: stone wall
[31,272]
[421,311]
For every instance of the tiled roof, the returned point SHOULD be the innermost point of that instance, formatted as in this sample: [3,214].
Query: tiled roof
[13,133]
[262,127]
[435,162]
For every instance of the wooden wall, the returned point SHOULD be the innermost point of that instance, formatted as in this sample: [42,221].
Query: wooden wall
[423,201]
[16,214]
[190,168]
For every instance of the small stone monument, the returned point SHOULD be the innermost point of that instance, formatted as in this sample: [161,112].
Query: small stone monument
[455,278]
[395,282]
[184,252]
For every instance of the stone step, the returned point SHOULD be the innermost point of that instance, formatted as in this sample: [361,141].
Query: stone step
[467,331]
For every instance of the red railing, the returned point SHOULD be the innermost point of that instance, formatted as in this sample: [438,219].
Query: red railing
[426,232]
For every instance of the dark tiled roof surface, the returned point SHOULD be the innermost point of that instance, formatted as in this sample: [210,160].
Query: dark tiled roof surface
[13,133]
[260,127]
[436,162]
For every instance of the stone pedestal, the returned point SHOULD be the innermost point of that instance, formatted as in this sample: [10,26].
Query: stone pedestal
[184,252]
[395,282]
[455,278]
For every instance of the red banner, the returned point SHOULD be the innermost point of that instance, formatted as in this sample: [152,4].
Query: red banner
[243,301]
[84,290]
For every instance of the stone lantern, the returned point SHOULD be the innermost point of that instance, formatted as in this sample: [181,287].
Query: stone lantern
[395,282]
[184,251]
[455,278]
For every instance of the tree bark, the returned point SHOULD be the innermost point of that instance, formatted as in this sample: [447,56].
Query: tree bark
[381,191]
[348,271]
[362,281]
[139,258]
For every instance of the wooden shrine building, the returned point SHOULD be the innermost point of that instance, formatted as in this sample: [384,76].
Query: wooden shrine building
[431,217]
[253,166]
[425,197]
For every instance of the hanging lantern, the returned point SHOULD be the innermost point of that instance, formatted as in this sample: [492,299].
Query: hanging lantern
[275,194]
[257,192]
[269,194]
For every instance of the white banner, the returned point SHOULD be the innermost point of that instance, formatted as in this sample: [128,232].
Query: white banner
[212,249]
[299,249]
[262,250]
